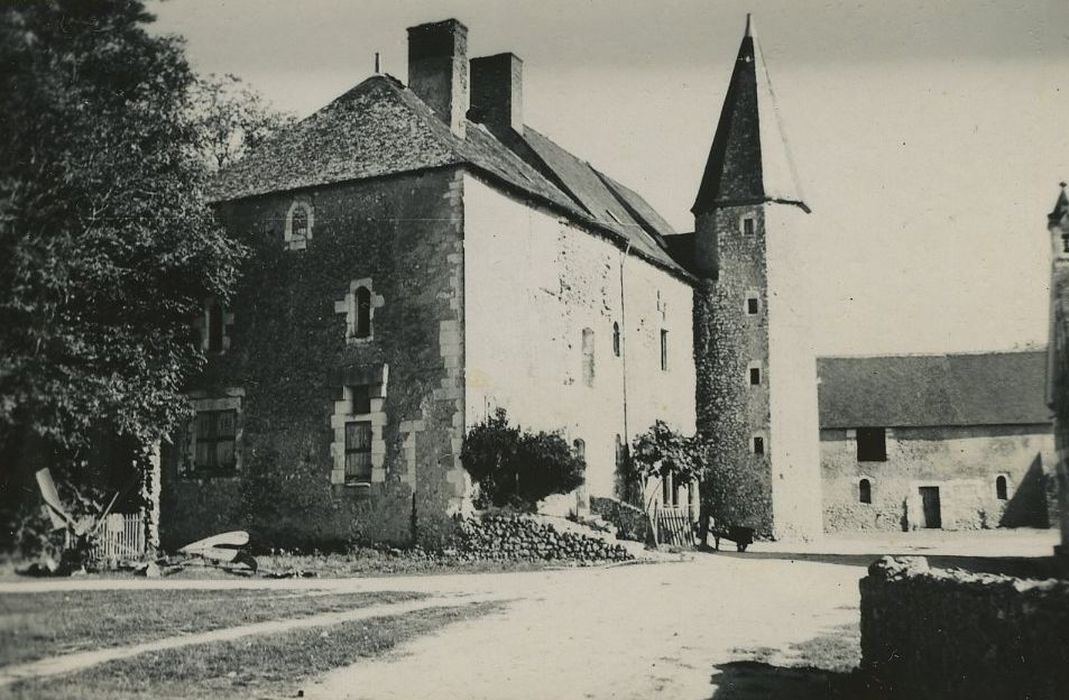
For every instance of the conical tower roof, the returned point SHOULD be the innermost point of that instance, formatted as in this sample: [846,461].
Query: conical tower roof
[1061,208]
[749,161]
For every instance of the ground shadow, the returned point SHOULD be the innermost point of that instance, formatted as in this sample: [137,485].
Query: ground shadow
[1022,567]
[825,667]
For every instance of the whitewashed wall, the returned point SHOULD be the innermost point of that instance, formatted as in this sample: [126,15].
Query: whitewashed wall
[532,283]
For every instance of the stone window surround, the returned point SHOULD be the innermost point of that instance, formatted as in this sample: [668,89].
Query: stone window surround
[231,400]
[299,242]
[872,484]
[1009,486]
[742,224]
[751,294]
[342,414]
[760,435]
[347,306]
[760,367]
[202,322]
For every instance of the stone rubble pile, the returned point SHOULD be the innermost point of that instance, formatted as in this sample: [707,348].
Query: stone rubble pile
[518,536]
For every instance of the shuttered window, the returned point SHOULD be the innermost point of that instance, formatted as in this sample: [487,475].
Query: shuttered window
[358,451]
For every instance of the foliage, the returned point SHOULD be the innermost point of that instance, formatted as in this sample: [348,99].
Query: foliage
[661,451]
[107,248]
[518,468]
[231,119]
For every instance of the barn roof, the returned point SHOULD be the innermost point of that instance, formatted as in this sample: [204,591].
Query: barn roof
[1002,388]
[380,127]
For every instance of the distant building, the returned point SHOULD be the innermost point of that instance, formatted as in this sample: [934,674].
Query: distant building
[1057,393]
[936,441]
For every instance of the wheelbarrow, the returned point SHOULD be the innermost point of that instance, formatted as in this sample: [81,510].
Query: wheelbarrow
[741,536]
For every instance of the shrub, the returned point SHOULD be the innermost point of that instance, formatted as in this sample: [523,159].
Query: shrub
[661,451]
[518,468]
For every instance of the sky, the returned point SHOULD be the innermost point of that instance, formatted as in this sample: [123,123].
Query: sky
[929,137]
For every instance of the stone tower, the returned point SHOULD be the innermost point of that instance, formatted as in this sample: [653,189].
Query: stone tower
[756,388]
[1058,358]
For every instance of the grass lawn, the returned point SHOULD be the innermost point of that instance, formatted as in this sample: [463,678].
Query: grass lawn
[38,625]
[264,666]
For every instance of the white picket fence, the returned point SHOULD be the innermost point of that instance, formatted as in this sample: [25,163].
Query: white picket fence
[122,536]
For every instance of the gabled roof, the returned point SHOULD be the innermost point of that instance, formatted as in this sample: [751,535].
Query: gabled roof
[749,161]
[382,128]
[1003,388]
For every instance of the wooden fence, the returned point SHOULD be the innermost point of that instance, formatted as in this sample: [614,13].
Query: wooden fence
[675,525]
[122,536]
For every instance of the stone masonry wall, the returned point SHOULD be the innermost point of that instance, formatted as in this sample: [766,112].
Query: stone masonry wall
[962,461]
[929,633]
[290,356]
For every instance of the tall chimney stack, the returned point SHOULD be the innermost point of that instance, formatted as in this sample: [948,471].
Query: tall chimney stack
[497,92]
[438,69]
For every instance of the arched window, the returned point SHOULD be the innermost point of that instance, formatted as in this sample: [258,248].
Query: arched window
[215,327]
[588,357]
[1001,491]
[616,339]
[300,219]
[362,327]
[580,448]
[864,491]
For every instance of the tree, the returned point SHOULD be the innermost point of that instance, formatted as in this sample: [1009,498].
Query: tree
[107,247]
[518,468]
[662,451]
[231,119]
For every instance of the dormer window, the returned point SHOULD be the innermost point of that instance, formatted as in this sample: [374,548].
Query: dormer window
[300,220]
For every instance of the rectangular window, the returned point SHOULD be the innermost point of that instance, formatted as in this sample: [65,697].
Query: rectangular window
[752,305]
[664,350]
[758,445]
[215,435]
[747,226]
[872,444]
[755,376]
[358,451]
[361,399]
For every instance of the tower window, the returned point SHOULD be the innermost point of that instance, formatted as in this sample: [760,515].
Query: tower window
[753,304]
[755,375]
[872,444]
[664,350]
[1065,242]
[746,225]
[1001,487]
[864,491]
[588,357]
[616,339]
[580,448]
[299,222]
[758,445]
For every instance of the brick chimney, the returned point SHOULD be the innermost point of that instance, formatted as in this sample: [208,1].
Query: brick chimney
[497,92]
[438,69]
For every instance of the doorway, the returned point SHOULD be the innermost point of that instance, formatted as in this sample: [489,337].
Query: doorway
[933,517]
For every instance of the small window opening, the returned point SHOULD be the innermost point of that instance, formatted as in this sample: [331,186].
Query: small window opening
[300,223]
[758,445]
[1001,488]
[1065,242]
[579,446]
[664,350]
[752,305]
[363,313]
[864,491]
[358,451]
[872,444]
[755,376]
[616,339]
[215,327]
[361,399]
[747,226]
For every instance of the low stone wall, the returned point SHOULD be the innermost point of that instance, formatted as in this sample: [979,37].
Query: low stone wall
[630,521]
[498,535]
[933,633]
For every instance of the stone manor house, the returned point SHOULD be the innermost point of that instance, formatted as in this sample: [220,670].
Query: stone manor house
[422,256]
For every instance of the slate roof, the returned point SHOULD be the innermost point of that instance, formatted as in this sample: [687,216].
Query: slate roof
[380,127]
[1004,388]
[749,161]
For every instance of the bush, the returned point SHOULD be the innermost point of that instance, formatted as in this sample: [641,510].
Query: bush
[518,468]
